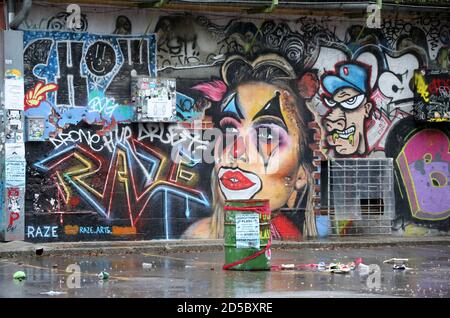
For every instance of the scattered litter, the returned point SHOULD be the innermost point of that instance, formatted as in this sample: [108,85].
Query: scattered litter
[55,265]
[397,267]
[397,261]
[103,275]
[20,275]
[358,261]
[39,251]
[321,266]
[338,268]
[53,293]
[287,266]
[189,266]
[147,265]
[275,267]
[212,268]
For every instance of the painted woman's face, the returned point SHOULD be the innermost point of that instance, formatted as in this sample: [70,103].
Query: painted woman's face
[259,153]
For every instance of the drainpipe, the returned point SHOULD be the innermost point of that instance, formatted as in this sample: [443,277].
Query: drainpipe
[14,20]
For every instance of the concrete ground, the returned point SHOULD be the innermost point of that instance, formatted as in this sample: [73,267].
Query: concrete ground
[189,270]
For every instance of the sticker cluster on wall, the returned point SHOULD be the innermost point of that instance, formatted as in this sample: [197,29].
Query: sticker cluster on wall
[13,153]
[154,98]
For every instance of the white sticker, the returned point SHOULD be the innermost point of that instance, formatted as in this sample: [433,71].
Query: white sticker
[247,230]
[14,93]
[14,150]
[15,173]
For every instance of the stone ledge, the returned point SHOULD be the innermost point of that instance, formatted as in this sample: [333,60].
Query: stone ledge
[18,249]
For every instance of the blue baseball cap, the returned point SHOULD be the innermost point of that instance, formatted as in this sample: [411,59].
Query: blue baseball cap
[350,75]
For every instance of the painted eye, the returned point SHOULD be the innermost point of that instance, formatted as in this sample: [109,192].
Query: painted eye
[353,102]
[265,135]
[229,125]
[329,102]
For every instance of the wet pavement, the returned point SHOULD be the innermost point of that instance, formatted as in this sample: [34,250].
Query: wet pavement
[192,275]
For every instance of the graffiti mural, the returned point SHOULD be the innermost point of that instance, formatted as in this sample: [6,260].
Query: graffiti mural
[74,77]
[121,177]
[424,164]
[387,77]
[421,153]
[260,102]
[289,92]
[347,94]
[432,97]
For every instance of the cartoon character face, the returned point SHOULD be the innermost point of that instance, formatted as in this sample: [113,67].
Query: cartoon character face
[100,58]
[346,94]
[13,203]
[264,151]
[344,123]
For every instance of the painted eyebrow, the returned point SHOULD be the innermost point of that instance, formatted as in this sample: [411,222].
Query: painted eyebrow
[271,109]
[342,94]
[232,115]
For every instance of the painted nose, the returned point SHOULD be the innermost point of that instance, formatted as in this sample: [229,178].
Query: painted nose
[238,148]
[338,124]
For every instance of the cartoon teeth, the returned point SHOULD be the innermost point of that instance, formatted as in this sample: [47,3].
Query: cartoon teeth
[349,134]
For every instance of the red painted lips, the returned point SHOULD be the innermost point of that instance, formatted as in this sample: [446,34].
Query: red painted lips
[235,180]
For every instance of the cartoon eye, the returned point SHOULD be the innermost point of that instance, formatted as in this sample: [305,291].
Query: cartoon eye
[329,102]
[353,102]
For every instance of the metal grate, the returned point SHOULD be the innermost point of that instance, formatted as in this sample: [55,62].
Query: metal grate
[360,196]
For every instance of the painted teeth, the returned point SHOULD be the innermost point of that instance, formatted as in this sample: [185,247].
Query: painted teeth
[234,180]
[346,134]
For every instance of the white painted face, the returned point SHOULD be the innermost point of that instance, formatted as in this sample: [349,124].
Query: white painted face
[237,184]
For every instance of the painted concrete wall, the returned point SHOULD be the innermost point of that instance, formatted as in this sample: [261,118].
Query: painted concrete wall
[325,87]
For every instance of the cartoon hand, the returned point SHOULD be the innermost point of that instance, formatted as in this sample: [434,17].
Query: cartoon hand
[37,94]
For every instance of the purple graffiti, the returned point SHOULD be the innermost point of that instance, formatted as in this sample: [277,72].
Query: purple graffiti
[424,164]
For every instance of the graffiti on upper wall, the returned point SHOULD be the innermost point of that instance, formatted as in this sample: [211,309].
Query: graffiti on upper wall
[59,22]
[432,95]
[210,44]
[74,77]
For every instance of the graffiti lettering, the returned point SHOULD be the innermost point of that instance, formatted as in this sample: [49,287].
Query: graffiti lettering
[95,230]
[13,216]
[422,87]
[104,105]
[42,231]
[173,135]
[94,141]
[72,85]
